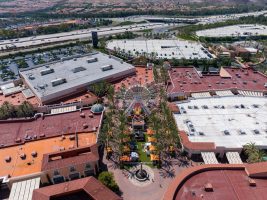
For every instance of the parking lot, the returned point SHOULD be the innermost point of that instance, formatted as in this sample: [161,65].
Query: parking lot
[10,67]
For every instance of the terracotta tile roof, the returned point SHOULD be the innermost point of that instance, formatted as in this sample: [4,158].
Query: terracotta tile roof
[187,80]
[143,76]
[196,146]
[229,181]
[47,126]
[70,157]
[94,188]
[257,169]
[18,99]
[19,167]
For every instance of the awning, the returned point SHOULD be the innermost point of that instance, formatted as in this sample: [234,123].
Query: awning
[63,110]
[209,158]
[223,93]
[23,190]
[233,158]
[201,95]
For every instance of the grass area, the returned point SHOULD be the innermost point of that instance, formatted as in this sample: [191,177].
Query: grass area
[187,37]
[142,154]
[127,23]
[145,31]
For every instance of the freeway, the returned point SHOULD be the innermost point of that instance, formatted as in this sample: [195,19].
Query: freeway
[188,19]
[27,42]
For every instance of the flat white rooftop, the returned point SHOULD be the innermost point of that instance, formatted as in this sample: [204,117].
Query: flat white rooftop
[62,78]
[229,122]
[242,30]
[161,48]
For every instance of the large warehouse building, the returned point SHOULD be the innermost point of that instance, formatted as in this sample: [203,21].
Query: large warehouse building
[54,81]
[160,49]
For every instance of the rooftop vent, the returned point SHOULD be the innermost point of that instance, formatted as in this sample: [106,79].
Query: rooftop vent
[91,60]
[242,132]
[201,133]
[208,187]
[252,182]
[58,81]
[256,131]
[42,86]
[46,71]
[226,132]
[106,67]
[78,69]
[31,77]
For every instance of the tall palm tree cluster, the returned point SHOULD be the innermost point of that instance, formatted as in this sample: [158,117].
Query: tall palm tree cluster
[114,133]
[253,153]
[161,121]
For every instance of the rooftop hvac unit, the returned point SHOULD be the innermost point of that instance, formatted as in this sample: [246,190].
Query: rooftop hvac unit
[42,86]
[78,69]
[31,77]
[58,81]
[91,60]
[47,71]
[106,67]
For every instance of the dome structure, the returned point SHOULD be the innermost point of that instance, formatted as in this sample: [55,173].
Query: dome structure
[97,108]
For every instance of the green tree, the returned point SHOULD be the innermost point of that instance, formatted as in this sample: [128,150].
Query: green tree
[7,110]
[107,178]
[25,110]
[100,89]
[254,154]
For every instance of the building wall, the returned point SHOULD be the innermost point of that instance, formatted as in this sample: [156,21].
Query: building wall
[65,171]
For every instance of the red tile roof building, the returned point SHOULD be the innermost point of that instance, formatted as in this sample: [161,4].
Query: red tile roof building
[70,164]
[187,80]
[220,181]
[15,132]
[81,189]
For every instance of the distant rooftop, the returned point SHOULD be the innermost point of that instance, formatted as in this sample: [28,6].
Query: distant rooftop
[161,48]
[243,30]
[62,78]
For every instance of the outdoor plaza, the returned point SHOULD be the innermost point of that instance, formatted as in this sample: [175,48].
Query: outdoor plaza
[135,160]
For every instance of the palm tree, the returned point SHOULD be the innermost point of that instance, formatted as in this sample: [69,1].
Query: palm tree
[253,153]
[110,95]
[250,148]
